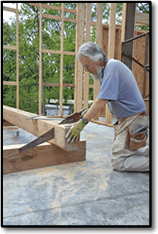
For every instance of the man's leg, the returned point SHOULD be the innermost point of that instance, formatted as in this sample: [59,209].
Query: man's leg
[125,159]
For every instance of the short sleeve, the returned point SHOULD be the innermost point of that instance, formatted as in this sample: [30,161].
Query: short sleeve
[110,83]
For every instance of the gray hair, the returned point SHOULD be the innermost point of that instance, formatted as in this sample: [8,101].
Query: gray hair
[92,51]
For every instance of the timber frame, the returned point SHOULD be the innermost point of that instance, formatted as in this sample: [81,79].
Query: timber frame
[81,85]
[54,152]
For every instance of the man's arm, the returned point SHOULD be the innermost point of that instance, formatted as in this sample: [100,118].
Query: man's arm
[95,108]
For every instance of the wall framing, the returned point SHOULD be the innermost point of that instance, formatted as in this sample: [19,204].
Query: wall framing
[81,85]
[16,48]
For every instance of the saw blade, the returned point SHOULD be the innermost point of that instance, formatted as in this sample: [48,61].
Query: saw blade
[43,138]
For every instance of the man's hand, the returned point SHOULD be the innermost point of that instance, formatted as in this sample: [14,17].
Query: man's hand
[74,132]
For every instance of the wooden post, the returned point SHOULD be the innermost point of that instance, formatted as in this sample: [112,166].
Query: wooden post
[17,59]
[111,47]
[80,67]
[86,74]
[98,42]
[61,59]
[40,59]
[129,33]
[76,60]
[123,22]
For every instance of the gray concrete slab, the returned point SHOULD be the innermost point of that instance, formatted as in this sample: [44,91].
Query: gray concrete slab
[83,193]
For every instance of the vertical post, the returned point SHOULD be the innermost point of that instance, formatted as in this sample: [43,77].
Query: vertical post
[61,58]
[98,42]
[17,58]
[129,32]
[123,22]
[86,74]
[111,47]
[76,60]
[40,58]
[80,67]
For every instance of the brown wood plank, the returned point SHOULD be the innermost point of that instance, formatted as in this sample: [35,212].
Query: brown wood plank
[44,155]
[39,127]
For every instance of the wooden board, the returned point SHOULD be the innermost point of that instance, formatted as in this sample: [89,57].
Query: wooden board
[111,48]
[43,155]
[39,127]
[99,42]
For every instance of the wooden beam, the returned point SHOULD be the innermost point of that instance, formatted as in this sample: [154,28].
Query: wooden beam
[10,127]
[142,18]
[9,9]
[58,18]
[58,85]
[129,33]
[111,48]
[86,74]
[98,42]
[80,67]
[39,127]
[76,60]
[9,83]
[123,22]
[53,7]
[17,58]
[8,47]
[44,155]
[61,57]
[51,51]
[40,59]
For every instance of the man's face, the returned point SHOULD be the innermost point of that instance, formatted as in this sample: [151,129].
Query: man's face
[92,67]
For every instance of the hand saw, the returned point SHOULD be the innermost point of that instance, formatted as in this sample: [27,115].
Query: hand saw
[50,134]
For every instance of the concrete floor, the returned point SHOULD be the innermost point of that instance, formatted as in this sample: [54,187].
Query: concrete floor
[83,193]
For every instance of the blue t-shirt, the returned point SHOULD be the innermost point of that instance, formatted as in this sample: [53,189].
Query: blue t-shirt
[119,86]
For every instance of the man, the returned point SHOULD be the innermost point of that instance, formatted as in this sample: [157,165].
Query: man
[120,91]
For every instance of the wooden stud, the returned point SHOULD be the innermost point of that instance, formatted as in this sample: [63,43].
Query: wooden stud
[86,74]
[98,42]
[80,67]
[61,58]
[123,22]
[40,59]
[111,48]
[76,60]
[129,33]
[17,58]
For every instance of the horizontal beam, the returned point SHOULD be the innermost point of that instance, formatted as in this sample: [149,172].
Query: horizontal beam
[8,47]
[9,9]
[9,83]
[142,18]
[39,127]
[53,7]
[58,18]
[58,52]
[10,127]
[58,84]
[44,155]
